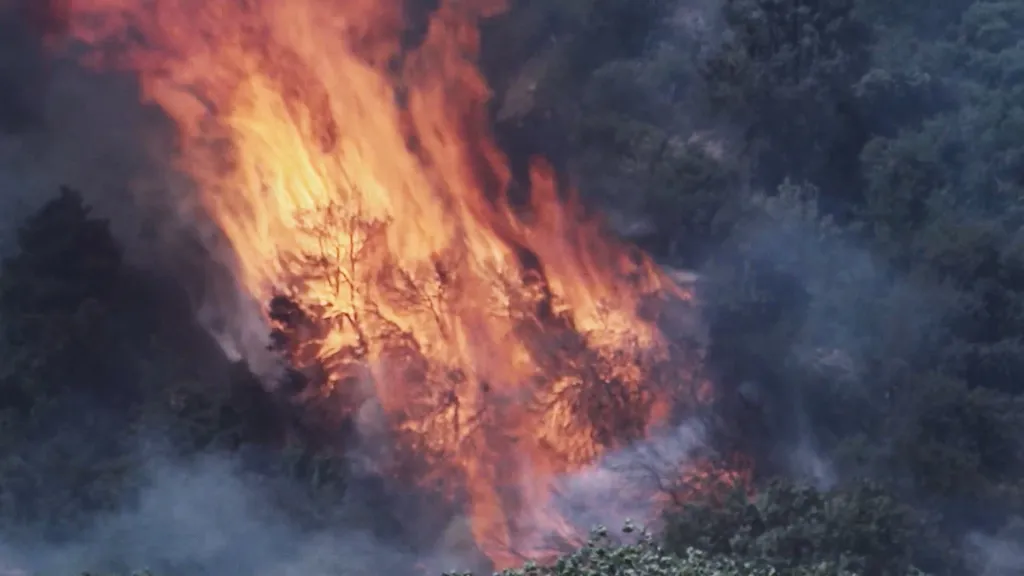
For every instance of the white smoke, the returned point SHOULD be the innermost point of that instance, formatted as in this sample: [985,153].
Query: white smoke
[1000,554]
[208,516]
[634,483]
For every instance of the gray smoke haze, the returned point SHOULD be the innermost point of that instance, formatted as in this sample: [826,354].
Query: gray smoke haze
[207,516]
[1000,554]
[66,125]
[840,308]
[634,483]
[211,515]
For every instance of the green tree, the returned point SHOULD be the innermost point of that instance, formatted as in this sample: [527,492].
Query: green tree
[787,73]
[94,353]
[859,530]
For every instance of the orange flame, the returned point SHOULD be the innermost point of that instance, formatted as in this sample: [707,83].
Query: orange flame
[350,165]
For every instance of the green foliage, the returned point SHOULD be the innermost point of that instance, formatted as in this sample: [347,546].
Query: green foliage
[94,354]
[600,557]
[604,555]
[787,73]
[959,442]
[859,241]
[857,530]
[53,296]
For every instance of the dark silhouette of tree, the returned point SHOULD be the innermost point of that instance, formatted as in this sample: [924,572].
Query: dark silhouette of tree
[787,73]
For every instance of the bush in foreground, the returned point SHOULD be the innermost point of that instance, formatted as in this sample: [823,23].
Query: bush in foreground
[602,556]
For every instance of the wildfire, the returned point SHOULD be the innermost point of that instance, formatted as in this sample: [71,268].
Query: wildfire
[346,155]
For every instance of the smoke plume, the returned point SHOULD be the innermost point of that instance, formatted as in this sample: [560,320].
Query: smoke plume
[208,516]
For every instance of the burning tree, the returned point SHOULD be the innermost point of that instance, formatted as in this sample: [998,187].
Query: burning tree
[495,347]
[350,345]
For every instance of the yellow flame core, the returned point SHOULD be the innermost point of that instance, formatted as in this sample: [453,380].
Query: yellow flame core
[358,177]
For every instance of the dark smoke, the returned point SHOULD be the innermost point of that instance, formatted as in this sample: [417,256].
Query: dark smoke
[22,72]
[61,124]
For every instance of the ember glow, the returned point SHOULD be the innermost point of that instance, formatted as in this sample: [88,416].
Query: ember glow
[349,164]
